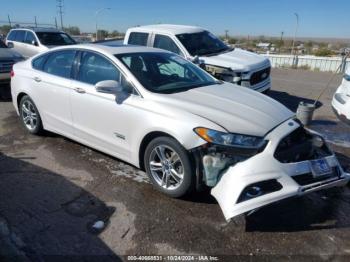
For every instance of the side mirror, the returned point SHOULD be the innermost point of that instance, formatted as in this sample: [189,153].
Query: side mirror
[34,43]
[195,60]
[10,45]
[109,87]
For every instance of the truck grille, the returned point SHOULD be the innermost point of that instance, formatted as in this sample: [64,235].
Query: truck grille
[6,66]
[260,76]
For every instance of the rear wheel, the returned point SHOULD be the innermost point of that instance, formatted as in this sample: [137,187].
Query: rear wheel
[168,166]
[30,117]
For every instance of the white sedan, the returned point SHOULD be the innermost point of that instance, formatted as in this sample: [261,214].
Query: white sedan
[165,115]
[341,99]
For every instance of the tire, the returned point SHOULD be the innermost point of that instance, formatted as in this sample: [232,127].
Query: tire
[30,116]
[164,157]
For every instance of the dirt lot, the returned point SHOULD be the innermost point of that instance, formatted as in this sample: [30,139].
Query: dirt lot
[52,190]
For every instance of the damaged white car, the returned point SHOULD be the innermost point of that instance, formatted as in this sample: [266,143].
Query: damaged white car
[162,113]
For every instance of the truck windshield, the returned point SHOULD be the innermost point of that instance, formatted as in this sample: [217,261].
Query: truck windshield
[55,38]
[165,72]
[202,43]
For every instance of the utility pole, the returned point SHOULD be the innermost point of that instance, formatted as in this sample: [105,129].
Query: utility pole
[36,24]
[296,30]
[8,17]
[226,35]
[281,41]
[60,5]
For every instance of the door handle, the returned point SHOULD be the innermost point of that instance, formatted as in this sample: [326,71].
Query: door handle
[79,90]
[37,79]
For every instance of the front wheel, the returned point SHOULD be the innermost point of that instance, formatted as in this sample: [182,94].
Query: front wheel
[168,166]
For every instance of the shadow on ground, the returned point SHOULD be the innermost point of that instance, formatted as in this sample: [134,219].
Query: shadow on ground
[290,101]
[5,93]
[42,214]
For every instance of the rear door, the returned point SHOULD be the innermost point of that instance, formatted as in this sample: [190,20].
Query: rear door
[52,82]
[19,44]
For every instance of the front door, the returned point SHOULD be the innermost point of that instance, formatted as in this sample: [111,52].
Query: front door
[99,120]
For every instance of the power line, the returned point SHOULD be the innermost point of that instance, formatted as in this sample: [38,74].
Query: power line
[60,6]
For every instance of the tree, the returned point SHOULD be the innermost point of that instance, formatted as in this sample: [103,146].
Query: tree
[4,29]
[114,33]
[72,30]
[323,52]
[102,34]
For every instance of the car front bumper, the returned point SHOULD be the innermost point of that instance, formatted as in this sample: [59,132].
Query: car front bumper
[265,167]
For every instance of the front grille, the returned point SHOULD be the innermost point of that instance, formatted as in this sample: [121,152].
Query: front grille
[6,66]
[260,76]
[307,179]
[298,146]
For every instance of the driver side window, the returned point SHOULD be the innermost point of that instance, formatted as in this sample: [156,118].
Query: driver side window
[95,68]
[166,43]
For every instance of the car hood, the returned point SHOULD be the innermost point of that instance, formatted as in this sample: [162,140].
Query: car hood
[235,108]
[9,54]
[237,59]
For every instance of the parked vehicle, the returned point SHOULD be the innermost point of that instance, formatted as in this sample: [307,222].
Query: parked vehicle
[8,57]
[202,47]
[161,113]
[31,41]
[341,99]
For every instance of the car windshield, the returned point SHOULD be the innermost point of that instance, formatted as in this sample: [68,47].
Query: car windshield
[165,72]
[55,38]
[202,43]
[2,45]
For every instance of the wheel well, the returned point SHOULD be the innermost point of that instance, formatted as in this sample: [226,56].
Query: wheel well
[145,141]
[19,97]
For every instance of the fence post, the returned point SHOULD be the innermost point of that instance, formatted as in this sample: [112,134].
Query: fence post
[343,63]
[295,61]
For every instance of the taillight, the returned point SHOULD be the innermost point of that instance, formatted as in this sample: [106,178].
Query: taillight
[12,74]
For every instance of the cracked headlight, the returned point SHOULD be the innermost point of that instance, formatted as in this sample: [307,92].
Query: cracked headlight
[229,139]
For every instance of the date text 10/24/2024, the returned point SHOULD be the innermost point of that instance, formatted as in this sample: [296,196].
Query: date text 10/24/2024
[173,258]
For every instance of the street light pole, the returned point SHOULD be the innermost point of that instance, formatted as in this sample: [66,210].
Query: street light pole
[97,12]
[296,30]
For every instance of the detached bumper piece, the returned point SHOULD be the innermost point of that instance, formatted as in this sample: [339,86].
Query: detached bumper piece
[285,168]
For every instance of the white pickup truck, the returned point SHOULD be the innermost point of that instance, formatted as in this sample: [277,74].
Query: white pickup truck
[200,46]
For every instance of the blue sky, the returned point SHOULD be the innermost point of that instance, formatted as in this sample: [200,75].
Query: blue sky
[318,18]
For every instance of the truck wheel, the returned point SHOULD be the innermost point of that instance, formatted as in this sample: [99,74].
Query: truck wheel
[168,166]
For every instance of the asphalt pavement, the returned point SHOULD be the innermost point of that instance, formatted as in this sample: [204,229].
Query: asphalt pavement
[53,190]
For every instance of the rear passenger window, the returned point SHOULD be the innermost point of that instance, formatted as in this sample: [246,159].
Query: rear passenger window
[60,63]
[29,38]
[12,35]
[166,43]
[138,39]
[39,62]
[20,36]
[95,68]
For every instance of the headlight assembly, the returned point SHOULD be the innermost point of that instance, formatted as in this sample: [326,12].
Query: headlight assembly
[229,139]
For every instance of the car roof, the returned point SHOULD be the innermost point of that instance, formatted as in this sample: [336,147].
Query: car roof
[169,28]
[113,50]
[38,29]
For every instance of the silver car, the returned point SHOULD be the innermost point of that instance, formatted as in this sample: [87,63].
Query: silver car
[31,41]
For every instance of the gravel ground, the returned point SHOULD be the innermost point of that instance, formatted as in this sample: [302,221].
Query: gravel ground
[53,190]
